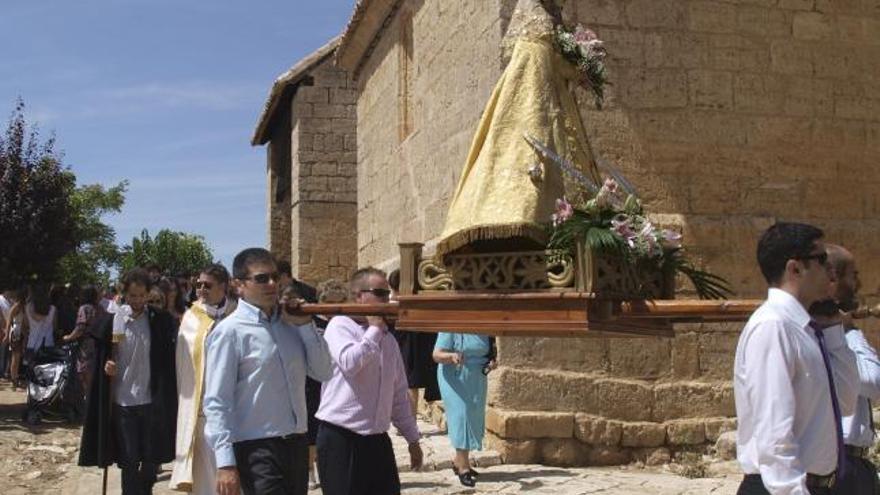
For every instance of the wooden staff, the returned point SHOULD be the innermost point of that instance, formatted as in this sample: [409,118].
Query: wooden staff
[867,312]
[351,309]
[675,310]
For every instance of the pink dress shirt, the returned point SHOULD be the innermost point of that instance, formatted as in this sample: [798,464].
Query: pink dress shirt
[368,389]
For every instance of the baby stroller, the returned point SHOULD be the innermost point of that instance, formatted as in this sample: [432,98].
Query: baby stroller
[53,389]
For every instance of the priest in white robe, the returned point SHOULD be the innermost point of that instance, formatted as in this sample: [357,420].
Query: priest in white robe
[194,464]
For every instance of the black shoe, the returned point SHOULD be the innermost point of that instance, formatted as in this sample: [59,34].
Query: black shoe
[472,471]
[467,479]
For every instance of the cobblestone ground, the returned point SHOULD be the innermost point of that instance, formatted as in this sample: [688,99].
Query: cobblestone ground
[42,460]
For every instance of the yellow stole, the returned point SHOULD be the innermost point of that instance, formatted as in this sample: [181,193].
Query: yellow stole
[206,323]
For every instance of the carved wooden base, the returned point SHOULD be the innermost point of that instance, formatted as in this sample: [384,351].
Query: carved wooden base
[531,294]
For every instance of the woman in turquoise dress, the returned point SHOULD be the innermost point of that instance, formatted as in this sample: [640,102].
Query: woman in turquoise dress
[464,361]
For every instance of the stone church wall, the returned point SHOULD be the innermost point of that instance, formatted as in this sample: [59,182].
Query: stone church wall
[726,115]
[315,228]
[405,182]
[325,199]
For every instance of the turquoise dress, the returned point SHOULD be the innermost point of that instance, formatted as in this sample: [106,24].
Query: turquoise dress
[463,388]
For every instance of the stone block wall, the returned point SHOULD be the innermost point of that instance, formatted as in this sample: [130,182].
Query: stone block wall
[324,162]
[727,116]
[312,177]
[404,186]
[278,173]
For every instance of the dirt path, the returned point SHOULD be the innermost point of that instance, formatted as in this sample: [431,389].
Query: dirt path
[42,460]
[34,459]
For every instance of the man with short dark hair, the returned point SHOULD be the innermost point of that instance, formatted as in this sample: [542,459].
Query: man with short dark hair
[367,393]
[793,378]
[141,420]
[254,403]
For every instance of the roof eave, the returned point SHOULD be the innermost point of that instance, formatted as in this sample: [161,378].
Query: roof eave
[292,77]
[365,24]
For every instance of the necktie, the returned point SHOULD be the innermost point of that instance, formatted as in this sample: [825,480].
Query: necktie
[835,406]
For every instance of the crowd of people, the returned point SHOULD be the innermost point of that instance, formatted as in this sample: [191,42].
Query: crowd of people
[221,376]
[227,379]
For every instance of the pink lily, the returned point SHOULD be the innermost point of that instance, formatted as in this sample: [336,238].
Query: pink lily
[564,211]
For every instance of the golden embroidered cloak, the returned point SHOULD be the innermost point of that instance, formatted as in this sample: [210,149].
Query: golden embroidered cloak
[495,197]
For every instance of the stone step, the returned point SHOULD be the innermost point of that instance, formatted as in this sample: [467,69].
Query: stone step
[437,451]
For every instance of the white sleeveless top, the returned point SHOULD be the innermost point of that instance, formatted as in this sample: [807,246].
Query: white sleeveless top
[41,332]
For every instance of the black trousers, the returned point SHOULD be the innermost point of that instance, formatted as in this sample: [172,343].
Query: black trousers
[752,485]
[859,478]
[273,466]
[131,427]
[352,464]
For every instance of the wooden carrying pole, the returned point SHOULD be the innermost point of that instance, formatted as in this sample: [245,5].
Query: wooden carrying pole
[545,314]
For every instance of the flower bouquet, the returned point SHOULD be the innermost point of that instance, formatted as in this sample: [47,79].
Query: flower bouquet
[612,225]
[586,51]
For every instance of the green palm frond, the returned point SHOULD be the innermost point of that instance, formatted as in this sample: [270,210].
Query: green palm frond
[708,285]
[602,240]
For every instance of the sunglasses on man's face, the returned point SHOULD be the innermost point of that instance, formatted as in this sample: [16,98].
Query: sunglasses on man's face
[263,278]
[378,292]
[204,285]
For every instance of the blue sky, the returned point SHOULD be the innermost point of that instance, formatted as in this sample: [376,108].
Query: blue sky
[166,94]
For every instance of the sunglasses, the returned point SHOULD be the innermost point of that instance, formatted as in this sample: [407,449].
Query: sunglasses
[822,257]
[378,292]
[263,278]
[204,285]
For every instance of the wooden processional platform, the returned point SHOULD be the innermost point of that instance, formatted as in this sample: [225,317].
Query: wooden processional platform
[542,314]
[533,294]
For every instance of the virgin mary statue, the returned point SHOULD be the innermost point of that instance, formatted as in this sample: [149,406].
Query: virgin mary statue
[498,202]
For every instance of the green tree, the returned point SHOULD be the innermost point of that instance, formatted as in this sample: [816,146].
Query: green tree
[96,251]
[35,214]
[174,252]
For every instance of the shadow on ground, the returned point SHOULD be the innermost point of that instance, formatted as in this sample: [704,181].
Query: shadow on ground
[520,476]
[11,414]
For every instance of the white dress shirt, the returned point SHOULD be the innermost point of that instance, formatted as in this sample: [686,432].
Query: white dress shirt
[783,401]
[132,384]
[857,428]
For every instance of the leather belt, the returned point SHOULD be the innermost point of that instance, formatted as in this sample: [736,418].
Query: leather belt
[860,452]
[821,481]
[291,436]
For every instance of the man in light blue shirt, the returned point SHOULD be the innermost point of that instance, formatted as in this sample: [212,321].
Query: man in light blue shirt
[255,409]
[860,475]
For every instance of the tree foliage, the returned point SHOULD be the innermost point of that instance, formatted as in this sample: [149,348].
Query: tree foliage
[96,251]
[174,252]
[36,222]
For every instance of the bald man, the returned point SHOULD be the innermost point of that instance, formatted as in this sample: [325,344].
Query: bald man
[860,475]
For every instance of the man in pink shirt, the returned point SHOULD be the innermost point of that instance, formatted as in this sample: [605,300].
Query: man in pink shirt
[367,392]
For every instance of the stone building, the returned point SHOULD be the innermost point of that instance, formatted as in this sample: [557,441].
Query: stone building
[308,125]
[727,115]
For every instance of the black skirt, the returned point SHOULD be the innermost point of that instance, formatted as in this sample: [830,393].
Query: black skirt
[421,370]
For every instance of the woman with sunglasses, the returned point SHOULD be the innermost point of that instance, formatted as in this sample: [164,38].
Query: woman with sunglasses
[464,361]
